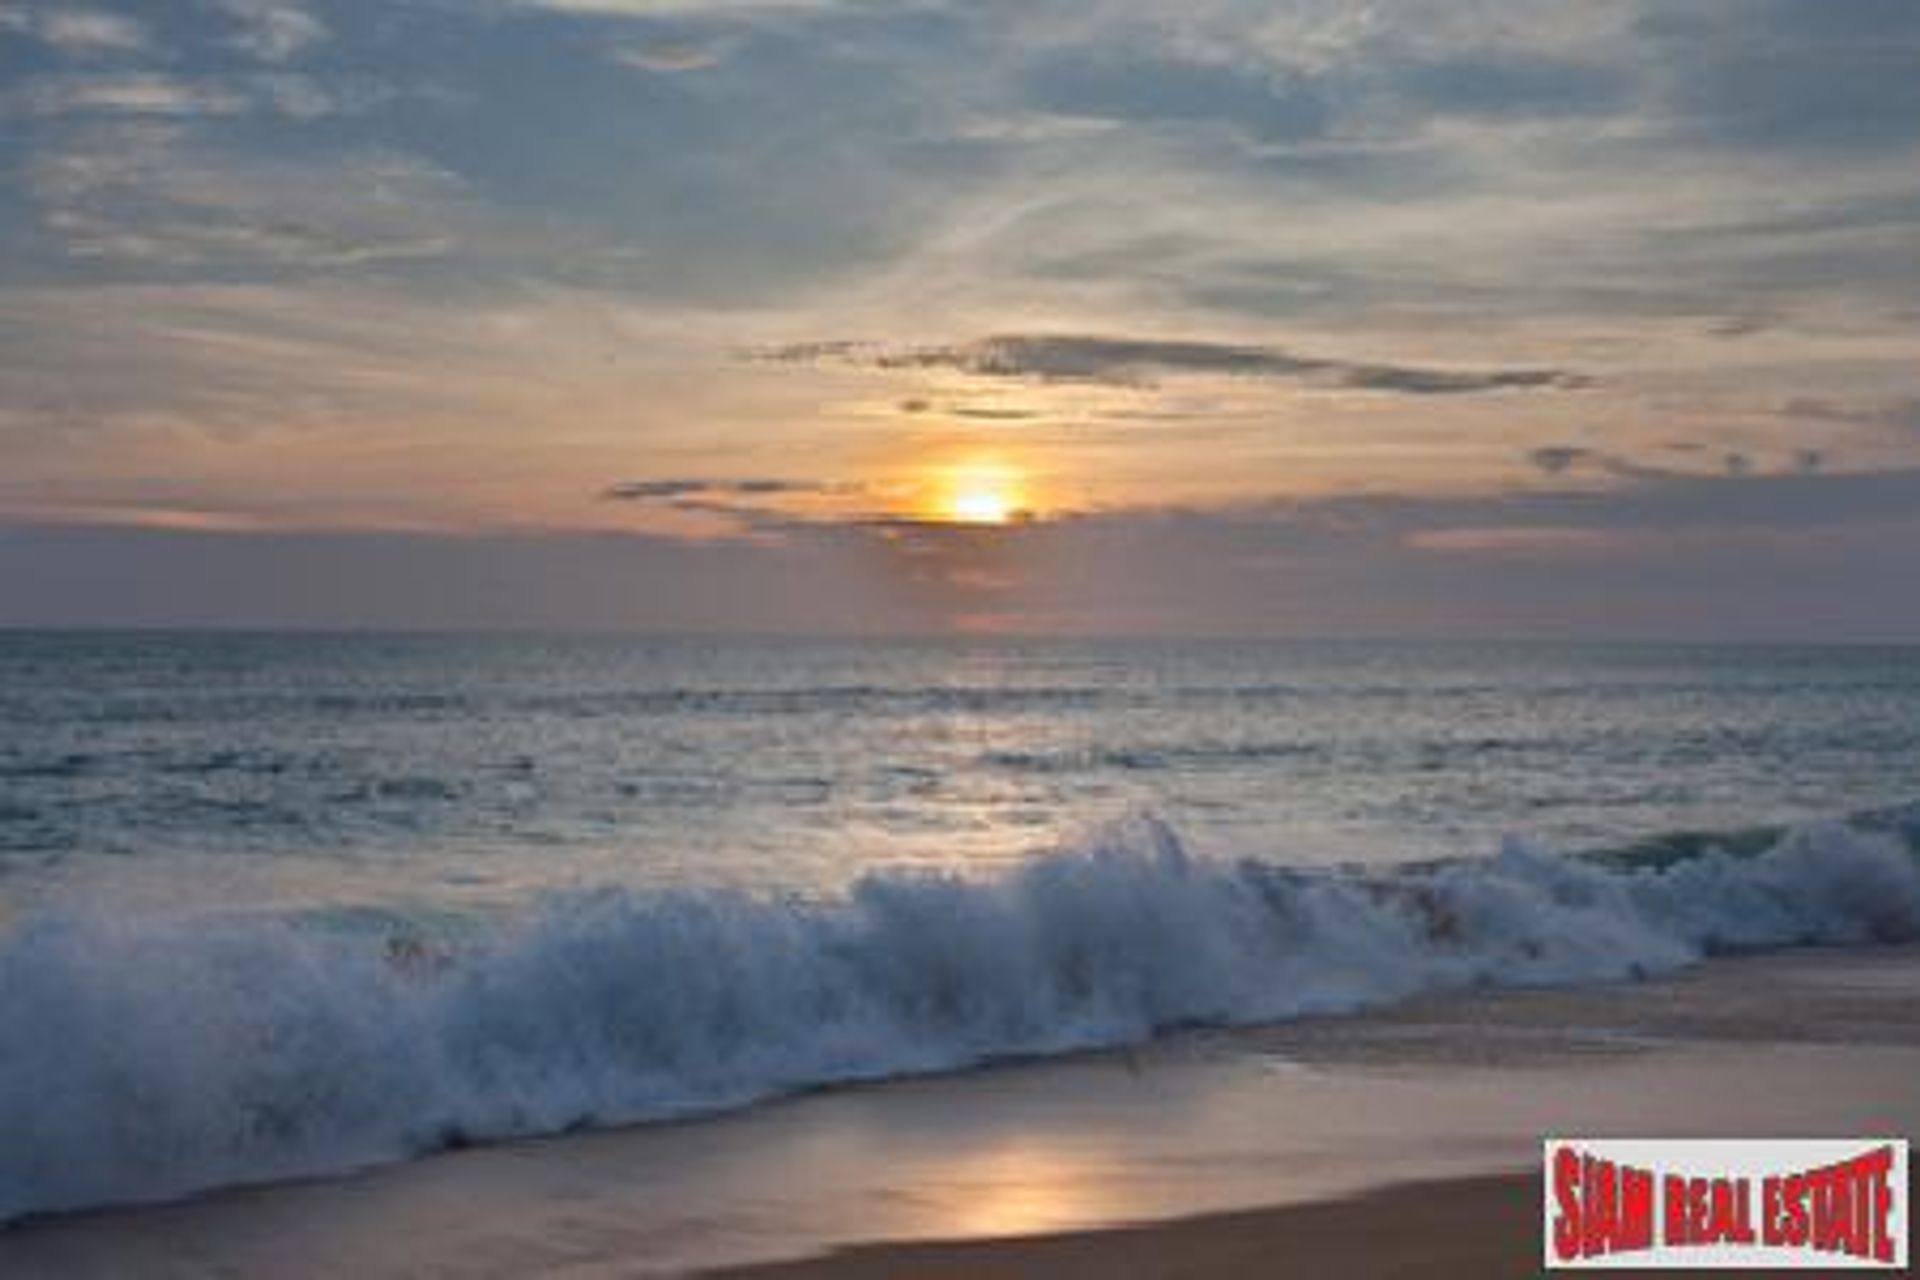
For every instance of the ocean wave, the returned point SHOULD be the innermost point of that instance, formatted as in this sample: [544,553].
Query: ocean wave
[145,1058]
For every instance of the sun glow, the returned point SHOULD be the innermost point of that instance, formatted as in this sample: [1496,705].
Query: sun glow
[980,506]
[980,493]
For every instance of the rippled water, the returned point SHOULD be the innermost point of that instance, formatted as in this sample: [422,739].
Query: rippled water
[350,766]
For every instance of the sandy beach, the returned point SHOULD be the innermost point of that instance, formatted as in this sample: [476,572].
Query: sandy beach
[1481,1226]
[1195,1156]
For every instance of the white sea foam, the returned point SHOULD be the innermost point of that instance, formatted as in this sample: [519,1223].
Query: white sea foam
[143,1059]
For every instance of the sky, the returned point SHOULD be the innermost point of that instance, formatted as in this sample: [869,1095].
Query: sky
[1581,318]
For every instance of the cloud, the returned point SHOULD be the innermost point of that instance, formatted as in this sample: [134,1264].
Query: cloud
[1119,360]
[750,506]
[299,97]
[152,95]
[143,192]
[273,30]
[130,94]
[674,8]
[1902,415]
[1638,501]
[1741,326]
[984,413]
[1559,459]
[1648,499]
[671,490]
[90,574]
[1554,459]
[670,56]
[91,32]
[975,412]
[1412,381]
[1661,556]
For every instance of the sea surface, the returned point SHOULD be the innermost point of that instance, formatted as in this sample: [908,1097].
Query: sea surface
[277,905]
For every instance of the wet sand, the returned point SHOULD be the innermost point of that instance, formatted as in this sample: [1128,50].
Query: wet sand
[1481,1228]
[1241,1145]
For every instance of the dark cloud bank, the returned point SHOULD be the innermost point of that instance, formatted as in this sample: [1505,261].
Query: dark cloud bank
[1786,555]
[1066,357]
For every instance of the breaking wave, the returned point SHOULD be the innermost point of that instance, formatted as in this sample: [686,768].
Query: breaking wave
[142,1059]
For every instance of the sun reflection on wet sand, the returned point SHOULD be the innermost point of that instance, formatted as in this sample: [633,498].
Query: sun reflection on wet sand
[1018,1189]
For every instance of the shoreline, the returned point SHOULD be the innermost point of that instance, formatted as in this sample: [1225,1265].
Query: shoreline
[1176,1154]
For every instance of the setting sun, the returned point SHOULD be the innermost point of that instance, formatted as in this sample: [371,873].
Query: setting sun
[980,493]
[980,506]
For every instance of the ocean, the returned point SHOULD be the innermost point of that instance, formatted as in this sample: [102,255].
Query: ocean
[284,905]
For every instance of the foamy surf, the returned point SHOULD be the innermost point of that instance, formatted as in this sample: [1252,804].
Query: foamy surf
[146,1059]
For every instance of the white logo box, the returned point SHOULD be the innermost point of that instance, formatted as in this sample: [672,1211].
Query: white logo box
[1779,1204]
